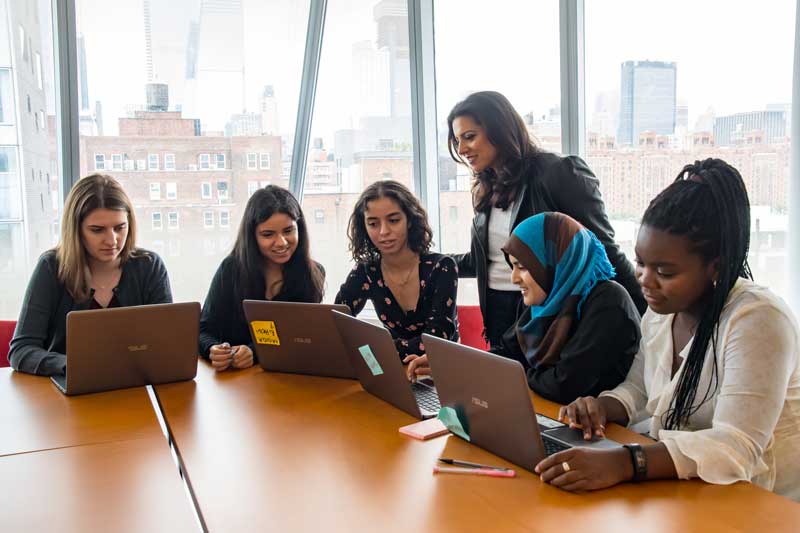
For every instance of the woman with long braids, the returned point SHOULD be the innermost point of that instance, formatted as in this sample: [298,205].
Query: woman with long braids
[717,370]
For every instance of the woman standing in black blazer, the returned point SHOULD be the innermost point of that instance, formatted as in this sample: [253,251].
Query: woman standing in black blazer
[514,180]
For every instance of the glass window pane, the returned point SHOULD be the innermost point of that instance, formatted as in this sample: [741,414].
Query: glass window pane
[362,124]
[187,86]
[723,91]
[510,47]
[29,168]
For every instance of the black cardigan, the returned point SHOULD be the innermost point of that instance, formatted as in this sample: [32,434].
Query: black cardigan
[40,338]
[599,352]
[552,183]
[222,318]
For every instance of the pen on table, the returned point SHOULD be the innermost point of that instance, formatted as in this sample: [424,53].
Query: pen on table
[456,462]
[474,471]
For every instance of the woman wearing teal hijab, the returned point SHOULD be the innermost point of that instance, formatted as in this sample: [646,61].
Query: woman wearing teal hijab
[579,330]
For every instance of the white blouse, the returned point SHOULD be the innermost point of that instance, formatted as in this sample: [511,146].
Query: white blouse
[499,230]
[749,429]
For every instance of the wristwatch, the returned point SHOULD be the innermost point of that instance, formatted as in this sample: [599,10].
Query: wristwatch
[639,460]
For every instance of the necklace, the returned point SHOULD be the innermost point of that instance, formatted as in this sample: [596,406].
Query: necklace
[406,278]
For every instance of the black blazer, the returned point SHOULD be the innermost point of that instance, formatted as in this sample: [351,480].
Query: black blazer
[560,184]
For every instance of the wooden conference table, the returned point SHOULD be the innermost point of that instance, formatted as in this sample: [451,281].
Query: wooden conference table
[97,462]
[283,452]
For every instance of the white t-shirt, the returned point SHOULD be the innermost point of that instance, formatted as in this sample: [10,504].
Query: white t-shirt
[499,230]
[749,429]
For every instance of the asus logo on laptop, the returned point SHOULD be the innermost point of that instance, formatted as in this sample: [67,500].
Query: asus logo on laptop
[302,340]
[137,348]
[480,403]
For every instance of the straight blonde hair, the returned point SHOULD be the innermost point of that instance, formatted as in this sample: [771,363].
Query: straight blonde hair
[96,191]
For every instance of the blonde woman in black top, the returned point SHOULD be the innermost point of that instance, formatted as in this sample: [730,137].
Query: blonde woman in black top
[95,265]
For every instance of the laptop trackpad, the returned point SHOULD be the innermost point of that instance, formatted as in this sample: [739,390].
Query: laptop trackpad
[574,437]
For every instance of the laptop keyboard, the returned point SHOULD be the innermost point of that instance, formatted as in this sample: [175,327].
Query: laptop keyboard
[427,399]
[551,446]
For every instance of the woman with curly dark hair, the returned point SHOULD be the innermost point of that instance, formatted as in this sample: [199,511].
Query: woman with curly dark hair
[413,290]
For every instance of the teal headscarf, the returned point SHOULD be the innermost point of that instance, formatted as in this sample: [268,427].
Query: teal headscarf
[567,261]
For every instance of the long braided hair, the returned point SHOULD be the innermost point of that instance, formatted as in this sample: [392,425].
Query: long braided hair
[708,204]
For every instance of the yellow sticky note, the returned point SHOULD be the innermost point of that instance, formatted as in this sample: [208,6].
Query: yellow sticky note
[264,332]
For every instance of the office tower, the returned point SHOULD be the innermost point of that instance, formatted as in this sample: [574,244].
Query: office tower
[215,64]
[392,19]
[244,124]
[682,117]
[26,204]
[647,100]
[744,128]
[372,82]
[270,125]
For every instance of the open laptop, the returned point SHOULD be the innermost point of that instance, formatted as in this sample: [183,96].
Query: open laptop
[299,338]
[491,397]
[124,347]
[377,364]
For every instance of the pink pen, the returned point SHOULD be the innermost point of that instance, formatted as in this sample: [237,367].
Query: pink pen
[476,471]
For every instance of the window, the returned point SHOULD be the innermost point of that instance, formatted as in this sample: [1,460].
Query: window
[99,162]
[204,161]
[155,191]
[252,187]
[377,81]
[222,190]
[38,67]
[219,161]
[29,206]
[265,183]
[172,219]
[252,161]
[152,161]
[224,219]
[654,108]
[172,190]
[208,219]
[264,161]
[156,221]
[536,95]
[6,97]
[205,190]
[319,216]
[116,161]
[23,47]
[128,164]
[141,164]
[169,161]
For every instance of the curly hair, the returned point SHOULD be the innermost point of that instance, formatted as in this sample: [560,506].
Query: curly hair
[419,231]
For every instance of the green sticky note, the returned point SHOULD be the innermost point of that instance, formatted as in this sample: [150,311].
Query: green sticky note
[369,358]
[451,421]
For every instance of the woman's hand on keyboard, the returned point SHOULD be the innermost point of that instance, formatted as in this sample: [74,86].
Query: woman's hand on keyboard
[417,367]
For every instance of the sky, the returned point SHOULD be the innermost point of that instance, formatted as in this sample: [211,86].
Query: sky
[732,56]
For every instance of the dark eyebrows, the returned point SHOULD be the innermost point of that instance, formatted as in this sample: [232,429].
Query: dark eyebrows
[392,214]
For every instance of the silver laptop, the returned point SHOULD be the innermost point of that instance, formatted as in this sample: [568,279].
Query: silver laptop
[490,395]
[124,347]
[299,338]
[377,364]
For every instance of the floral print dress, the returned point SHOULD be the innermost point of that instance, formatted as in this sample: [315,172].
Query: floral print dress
[435,313]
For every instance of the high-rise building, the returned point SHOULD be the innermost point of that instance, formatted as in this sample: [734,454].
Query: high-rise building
[27,218]
[392,19]
[244,124]
[647,100]
[217,89]
[270,125]
[371,80]
[738,128]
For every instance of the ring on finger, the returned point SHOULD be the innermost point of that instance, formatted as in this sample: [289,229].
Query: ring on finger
[565,466]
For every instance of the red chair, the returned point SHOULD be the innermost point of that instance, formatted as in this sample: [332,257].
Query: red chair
[470,326]
[6,333]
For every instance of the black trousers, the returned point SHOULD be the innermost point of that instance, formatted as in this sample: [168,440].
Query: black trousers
[501,315]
